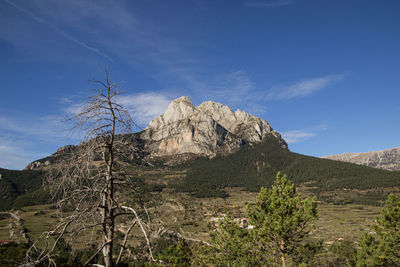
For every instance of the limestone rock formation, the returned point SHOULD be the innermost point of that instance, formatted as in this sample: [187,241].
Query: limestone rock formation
[388,159]
[183,132]
[207,129]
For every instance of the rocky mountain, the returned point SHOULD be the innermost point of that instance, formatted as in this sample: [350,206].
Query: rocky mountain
[208,129]
[185,131]
[226,149]
[388,159]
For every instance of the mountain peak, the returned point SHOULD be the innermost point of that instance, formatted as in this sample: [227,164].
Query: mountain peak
[207,129]
[178,109]
[182,99]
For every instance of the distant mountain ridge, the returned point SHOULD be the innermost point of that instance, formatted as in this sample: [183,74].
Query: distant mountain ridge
[388,159]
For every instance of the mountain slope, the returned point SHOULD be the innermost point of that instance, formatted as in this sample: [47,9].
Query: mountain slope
[15,184]
[255,165]
[388,159]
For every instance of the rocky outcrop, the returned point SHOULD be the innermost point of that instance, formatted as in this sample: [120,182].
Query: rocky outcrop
[39,164]
[65,149]
[388,159]
[207,129]
[184,132]
[245,125]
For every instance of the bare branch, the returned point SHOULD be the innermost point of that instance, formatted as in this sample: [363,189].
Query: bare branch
[84,182]
[124,242]
[142,228]
[94,255]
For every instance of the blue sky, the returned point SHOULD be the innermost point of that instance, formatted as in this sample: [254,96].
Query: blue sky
[323,73]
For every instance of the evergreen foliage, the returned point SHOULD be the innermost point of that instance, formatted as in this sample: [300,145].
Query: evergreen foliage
[383,247]
[14,184]
[14,255]
[307,254]
[254,165]
[179,255]
[281,218]
[344,251]
[231,245]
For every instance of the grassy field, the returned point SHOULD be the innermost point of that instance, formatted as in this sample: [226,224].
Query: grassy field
[192,217]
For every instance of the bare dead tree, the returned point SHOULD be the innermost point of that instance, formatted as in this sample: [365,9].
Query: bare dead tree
[87,182]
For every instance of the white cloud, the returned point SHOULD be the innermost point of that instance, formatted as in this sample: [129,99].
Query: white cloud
[276,3]
[234,89]
[297,136]
[74,109]
[144,107]
[142,41]
[16,155]
[24,138]
[302,88]
[301,135]
[47,128]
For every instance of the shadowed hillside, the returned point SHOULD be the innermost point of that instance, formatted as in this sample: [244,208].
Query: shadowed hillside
[256,164]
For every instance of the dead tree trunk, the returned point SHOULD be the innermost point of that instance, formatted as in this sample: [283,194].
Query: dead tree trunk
[89,188]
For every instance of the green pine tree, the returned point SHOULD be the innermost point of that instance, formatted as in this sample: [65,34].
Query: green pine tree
[230,246]
[178,255]
[383,247]
[281,219]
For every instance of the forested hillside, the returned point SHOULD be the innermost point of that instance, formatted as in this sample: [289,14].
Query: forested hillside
[253,166]
[21,188]
[256,164]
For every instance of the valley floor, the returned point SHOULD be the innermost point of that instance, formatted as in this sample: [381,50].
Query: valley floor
[192,217]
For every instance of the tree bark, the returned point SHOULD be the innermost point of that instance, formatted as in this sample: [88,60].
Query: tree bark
[108,194]
[282,249]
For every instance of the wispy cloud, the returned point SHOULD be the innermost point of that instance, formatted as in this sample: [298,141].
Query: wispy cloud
[58,30]
[301,135]
[16,155]
[144,107]
[302,88]
[297,136]
[237,90]
[73,108]
[48,128]
[267,4]
[142,41]
[25,138]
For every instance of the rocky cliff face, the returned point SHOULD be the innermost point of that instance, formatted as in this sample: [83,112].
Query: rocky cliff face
[185,131]
[388,159]
[207,129]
